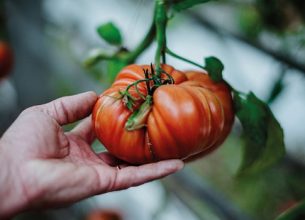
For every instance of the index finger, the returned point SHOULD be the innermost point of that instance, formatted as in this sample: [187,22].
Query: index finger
[137,175]
[69,109]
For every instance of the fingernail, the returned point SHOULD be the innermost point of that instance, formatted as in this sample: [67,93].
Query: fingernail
[175,165]
[93,94]
[180,164]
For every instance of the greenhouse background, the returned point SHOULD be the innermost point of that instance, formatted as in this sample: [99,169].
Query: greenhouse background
[262,45]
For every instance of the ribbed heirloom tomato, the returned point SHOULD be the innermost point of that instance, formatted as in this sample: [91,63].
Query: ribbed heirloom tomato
[185,119]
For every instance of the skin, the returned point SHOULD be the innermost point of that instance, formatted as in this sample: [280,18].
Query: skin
[43,167]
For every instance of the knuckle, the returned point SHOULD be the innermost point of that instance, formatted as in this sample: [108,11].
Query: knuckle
[113,181]
[59,110]
[30,110]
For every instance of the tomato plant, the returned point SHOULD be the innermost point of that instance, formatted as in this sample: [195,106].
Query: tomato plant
[185,115]
[6,59]
[155,112]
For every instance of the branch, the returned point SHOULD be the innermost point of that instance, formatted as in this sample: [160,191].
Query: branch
[160,22]
[291,62]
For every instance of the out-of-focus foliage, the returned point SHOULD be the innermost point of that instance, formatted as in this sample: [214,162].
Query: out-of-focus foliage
[263,135]
[263,196]
[110,33]
[274,15]
[114,66]
[250,22]
[277,87]
[180,5]
[281,15]
[297,212]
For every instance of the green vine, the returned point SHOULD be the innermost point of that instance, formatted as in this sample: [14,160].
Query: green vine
[161,22]
[152,81]
[171,53]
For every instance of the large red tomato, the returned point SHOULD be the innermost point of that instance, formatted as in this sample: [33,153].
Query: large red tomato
[6,59]
[186,119]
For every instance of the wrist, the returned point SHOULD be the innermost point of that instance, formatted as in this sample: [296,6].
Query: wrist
[13,200]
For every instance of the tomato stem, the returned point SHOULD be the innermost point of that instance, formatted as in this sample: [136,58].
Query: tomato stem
[171,53]
[146,73]
[152,81]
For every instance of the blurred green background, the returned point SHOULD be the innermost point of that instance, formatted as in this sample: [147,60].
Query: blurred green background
[262,45]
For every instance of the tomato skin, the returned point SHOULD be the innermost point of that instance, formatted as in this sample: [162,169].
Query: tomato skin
[6,59]
[187,120]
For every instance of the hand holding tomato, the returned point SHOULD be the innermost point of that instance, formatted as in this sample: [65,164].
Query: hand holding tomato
[185,117]
[43,166]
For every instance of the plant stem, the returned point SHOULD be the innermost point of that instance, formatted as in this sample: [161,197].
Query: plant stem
[147,82]
[128,57]
[160,22]
[163,56]
[171,53]
[96,56]
[147,40]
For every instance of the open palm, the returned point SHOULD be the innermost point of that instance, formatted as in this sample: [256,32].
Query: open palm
[53,168]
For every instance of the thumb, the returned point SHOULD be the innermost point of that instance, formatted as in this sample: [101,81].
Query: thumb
[70,108]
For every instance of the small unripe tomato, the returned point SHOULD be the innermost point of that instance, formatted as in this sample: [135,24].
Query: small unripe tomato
[183,120]
[6,59]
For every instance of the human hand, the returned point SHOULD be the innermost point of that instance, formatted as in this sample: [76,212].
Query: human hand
[43,166]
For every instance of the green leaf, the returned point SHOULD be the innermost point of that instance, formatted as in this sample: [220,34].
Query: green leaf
[114,66]
[110,33]
[180,5]
[214,67]
[262,133]
[277,87]
[295,213]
